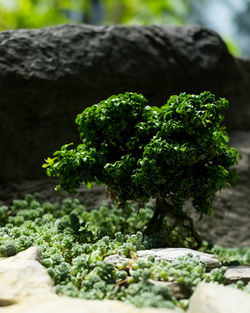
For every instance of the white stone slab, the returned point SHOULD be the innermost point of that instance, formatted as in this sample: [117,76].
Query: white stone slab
[212,298]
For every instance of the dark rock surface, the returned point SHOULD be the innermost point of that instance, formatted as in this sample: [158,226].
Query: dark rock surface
[49,75]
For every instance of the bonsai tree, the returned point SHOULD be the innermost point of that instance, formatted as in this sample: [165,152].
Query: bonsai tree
[174,153]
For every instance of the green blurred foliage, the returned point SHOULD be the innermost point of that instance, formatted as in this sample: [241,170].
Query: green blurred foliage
[147,12]
[232,46]
[30,13]
[39,13]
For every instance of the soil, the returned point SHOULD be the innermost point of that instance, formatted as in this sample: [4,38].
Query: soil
[229,225]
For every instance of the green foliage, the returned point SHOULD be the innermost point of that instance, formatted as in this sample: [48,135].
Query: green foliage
[232,46]
[147,12]
[240,285]
[176,152]
[232,256]
[7,249]
[76,261]
[31,13]
[3,215]
[40,13]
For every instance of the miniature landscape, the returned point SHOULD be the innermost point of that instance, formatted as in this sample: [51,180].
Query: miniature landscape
[145,242]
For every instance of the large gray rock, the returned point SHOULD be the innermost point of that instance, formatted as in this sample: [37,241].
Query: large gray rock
[49,75]
[211,298]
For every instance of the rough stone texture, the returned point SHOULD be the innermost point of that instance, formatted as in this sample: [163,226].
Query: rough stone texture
[116,259]
[235,273]
[211,298]
[170,255]
[49,75]
[25,287]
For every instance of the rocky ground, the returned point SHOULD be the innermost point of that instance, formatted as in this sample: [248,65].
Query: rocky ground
[228,226]
[25,286]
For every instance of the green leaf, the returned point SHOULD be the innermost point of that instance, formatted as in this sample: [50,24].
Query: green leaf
[89,185]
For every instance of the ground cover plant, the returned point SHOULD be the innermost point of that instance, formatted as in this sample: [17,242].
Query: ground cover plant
[73,248]
[172,154]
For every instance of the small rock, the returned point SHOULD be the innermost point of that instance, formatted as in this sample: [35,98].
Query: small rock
[170,255]
[211,298]
[235,273]
[179,291]
[116,259]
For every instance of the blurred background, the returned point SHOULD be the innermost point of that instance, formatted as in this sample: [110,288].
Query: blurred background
[230,18]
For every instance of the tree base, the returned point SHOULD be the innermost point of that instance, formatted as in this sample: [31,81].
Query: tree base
[171,228]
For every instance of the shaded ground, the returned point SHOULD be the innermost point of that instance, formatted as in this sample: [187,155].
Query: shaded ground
[228,226]
[91,198]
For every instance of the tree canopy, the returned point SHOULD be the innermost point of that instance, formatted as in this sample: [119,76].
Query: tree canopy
[177,152]
[174,153]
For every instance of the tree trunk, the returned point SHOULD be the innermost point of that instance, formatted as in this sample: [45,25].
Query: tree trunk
[156,222]
[178,218]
